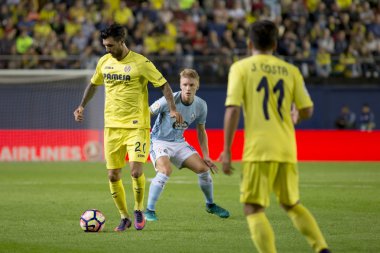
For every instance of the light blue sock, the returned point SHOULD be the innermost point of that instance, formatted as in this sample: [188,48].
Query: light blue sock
[205,182]
[155,189]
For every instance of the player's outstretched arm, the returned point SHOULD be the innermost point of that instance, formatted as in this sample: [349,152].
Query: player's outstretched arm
[87,96]
[203,143]
[294,114]
[301,114]
[168,94]
[231,121]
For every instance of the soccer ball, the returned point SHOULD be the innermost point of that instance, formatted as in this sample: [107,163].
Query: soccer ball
[92,220]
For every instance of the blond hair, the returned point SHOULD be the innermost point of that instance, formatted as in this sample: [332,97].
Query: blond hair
[190,73]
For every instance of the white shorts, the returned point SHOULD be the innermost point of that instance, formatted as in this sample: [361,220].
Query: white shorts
[177,152]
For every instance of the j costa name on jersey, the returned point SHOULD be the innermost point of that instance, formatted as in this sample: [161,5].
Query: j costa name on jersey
[271,69]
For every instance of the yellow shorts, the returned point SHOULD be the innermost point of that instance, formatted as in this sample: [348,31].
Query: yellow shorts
[118,142]
[259,179]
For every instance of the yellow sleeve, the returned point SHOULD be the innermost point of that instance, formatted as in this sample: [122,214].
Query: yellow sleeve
[235,88]
[150,72]
[301,95]
[97,77]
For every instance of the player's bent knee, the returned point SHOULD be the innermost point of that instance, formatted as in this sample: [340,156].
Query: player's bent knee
[288,207]
[253,208]
[163,165]
[136,173]
[114,175]
[200,170]
[166,170]
[136,169]
[204,169]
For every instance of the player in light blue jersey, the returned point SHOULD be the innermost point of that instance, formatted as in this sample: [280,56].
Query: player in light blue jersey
[168,144]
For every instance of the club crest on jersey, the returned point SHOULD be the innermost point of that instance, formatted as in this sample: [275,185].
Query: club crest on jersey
[192,116]
[156,106]
[127,68]
[180,126]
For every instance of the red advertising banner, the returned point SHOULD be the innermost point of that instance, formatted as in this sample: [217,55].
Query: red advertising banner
[51,145]
[87,145]
[334,145]
[313,145]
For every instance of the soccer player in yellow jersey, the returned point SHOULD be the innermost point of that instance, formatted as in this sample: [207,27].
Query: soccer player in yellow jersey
[267,87]
[125,75]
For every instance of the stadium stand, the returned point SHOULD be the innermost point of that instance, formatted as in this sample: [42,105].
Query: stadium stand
[324,38]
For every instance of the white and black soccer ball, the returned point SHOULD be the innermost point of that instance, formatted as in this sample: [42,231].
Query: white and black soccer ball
[92,220]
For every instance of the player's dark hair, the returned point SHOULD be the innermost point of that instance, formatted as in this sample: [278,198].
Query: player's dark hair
[263,34]
[116,31]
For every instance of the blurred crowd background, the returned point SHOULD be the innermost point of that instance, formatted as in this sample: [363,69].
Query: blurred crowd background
[324,38]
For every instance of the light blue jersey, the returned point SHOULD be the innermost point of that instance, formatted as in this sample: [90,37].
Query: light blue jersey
[165,128]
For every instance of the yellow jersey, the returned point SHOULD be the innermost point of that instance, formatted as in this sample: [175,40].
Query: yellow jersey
[126,90]
[266,86]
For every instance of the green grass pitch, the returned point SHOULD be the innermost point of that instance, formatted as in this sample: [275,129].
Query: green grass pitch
[40,206]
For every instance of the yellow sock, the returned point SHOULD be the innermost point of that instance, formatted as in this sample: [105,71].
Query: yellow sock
[304,221]
[118,195]
[138,185]
[261,232]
